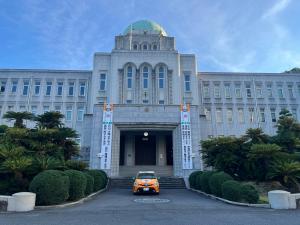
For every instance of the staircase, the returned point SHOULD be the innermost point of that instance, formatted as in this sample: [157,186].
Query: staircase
[164,183]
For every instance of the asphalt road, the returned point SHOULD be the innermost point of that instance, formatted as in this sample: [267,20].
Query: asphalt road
[185,207]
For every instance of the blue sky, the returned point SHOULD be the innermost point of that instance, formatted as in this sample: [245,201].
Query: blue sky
[225,35]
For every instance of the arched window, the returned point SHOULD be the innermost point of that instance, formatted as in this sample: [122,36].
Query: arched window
[135,47]
[145,77]
[145,46]
[129,77]
[161,77]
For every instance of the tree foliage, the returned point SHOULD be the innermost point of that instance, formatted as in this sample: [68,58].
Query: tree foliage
[18,117]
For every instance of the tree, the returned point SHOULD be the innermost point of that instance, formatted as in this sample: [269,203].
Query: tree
[256,136]
[294,70]
[18,117]
[49,120]
[288,132]
[261,156]
[287,172]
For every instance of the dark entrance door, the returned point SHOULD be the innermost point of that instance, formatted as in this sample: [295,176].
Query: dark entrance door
[145,150]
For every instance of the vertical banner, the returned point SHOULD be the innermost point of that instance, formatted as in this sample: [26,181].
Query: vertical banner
[186,137]
[105,152]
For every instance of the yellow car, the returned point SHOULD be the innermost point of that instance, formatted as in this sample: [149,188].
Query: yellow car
[145,182]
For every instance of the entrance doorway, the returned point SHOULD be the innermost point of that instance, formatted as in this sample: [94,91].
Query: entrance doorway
[145,150]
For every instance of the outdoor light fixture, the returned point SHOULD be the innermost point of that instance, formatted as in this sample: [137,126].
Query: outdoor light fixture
[146,134]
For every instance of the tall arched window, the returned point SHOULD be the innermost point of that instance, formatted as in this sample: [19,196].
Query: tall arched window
[129,77]
[145,77]
[161,77]
[145,47]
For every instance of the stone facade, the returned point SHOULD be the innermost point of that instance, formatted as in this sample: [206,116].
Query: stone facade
[146,79]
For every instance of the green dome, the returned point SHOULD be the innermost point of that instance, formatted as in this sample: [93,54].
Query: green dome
[142,26]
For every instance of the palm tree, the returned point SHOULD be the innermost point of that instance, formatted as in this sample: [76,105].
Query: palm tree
[256,136]
[18,117]
[49,120]
[287,172]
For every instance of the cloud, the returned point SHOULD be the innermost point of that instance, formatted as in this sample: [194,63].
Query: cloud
[278,7]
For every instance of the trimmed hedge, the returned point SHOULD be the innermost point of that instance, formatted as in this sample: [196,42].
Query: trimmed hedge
[216,181]
[51,187]
[197,181]
[76,165]
[77,184]
[193,178]
[249,193]
[204,181]
[89,184]
[231,190]
[100,179]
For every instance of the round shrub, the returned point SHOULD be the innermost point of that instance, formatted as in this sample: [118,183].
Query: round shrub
[89,184]
[51,187]
[198,181]
[216,181]
[249,193]
[100,179]
[77,184]
[193,178]
[76,165]
[231,190]
[204,181]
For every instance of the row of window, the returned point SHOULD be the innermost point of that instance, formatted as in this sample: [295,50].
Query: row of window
[260,91]
[46,108]
[145,46]
[35,88]
[253,115]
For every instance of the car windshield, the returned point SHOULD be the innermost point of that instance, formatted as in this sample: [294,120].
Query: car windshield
[146,176]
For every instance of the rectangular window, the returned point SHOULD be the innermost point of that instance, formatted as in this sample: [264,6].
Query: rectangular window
[10,108]
[161,102]
[259,93]
[227,91]
[82,85]
[161,78]
[269,91]
[102,82]
[129,101]
[280,91]
[145,101]
[14,86]
[290,90]
[46,108]
[187,82]
[129,77]
[69,113]
[207,113]
[206,91]
[37,87]
[241,118]
[57,108]
[248,91]
[22,108]
[219,118]
[251,115]
[48,88]
[80,114]
[217,91]
[34,109]
[273,115]
[2,87]
[71,89]
[25,87]
[238,92]
[262,115]
[294,113]
[229,116]
[59,90]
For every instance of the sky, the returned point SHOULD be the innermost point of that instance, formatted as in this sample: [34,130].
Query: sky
[225,35]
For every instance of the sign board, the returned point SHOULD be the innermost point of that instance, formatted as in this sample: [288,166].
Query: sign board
[186,137]
[105,152]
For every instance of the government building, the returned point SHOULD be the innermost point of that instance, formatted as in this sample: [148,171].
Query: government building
[145,106]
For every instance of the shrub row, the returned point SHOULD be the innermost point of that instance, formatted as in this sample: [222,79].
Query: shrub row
[222,185]
[55,187]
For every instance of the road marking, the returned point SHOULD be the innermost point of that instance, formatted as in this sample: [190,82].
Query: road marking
[151,200]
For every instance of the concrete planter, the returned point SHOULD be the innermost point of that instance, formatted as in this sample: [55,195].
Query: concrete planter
[24,201]
[283,199]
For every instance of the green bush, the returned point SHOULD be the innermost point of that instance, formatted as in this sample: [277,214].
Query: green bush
[51,187]
[77,184]
[89,184]
[216,181]
[231,190]
[204,181]
[249,193]
[198,181]
[76,165]
[193,178]
[100,179]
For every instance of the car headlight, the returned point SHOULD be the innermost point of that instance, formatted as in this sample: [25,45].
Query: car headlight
[156,183]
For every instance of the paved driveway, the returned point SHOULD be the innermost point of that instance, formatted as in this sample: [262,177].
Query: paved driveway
[117,206]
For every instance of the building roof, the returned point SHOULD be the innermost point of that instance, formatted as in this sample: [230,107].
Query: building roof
[142,26]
